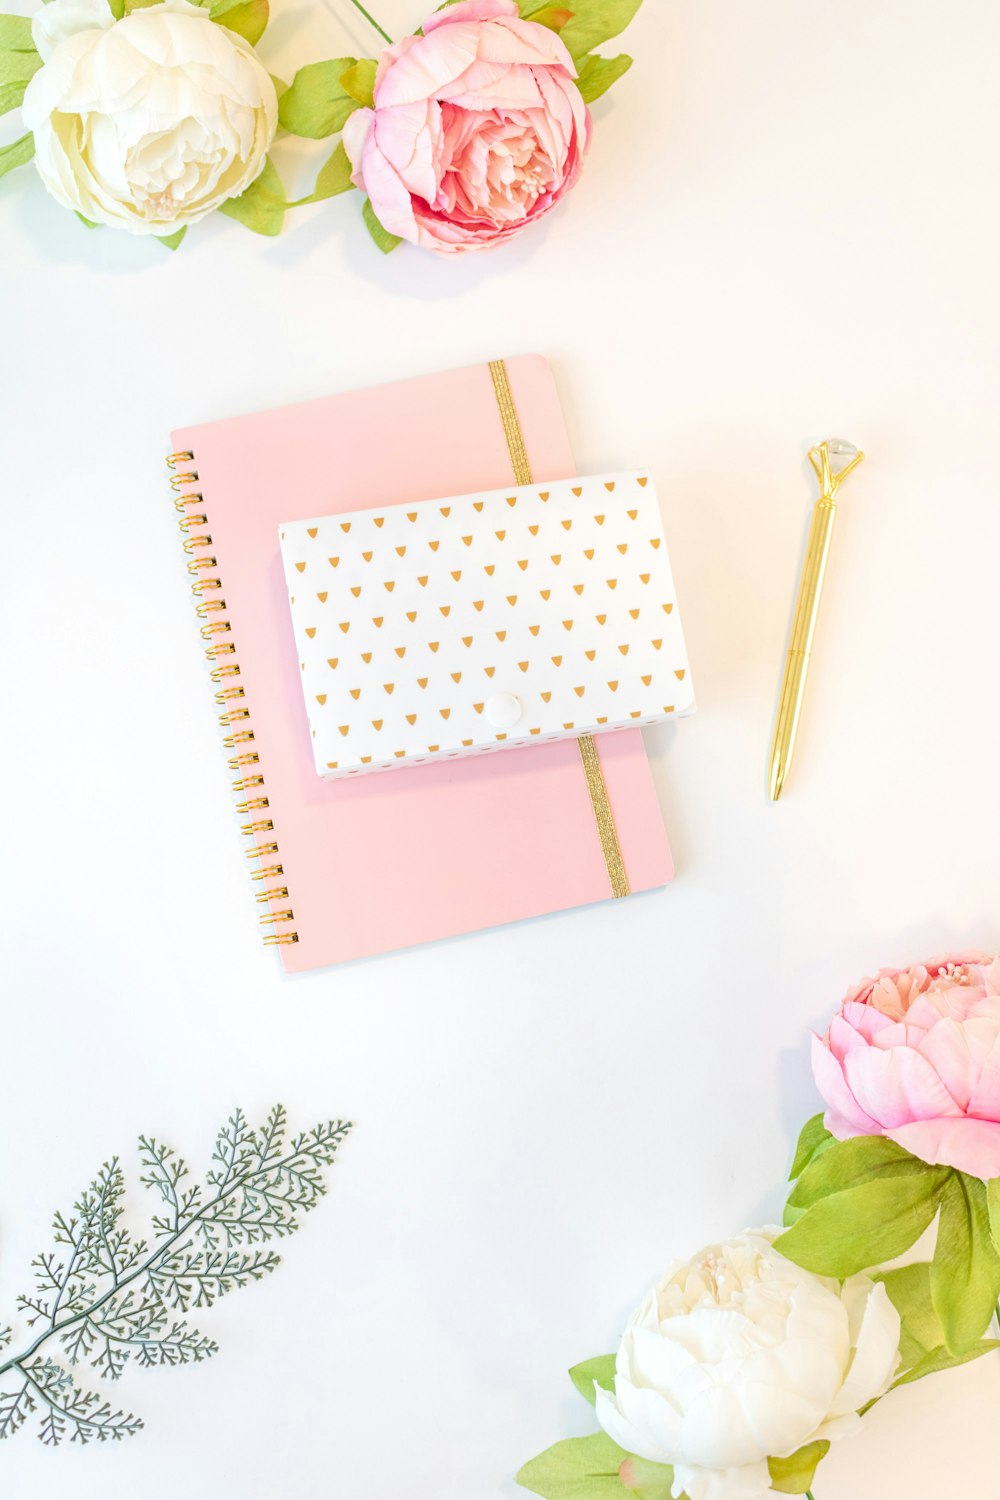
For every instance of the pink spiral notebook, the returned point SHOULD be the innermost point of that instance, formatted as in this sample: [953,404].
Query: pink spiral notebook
[352,868]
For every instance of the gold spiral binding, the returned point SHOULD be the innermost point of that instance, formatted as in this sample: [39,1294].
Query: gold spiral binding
[247,784]
[235,718]
[260,850]
[274,917]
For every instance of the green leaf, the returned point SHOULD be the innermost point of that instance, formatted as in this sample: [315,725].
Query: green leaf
[359,81]
[600,1370]
[965,1270]
[594,22]
[577,1469]
[597,74]
[909,1289]
[262,207]
[89,223]
[846,1164]
[17,153]
[172,240]
[940,1359]
[552,16]
[334,177]
[813,1138]
[18,67]
[280,87]
[15,34]
[117,8]
[794,1475]
[383,239]
[11,95]
[248,18]
[993,1209]
[317,105]
[863,1226]
[646,1481]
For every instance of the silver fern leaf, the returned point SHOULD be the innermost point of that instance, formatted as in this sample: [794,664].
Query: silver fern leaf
[103,1298]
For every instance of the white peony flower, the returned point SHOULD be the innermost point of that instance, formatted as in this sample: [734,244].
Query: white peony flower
[150,122]
[737,1356]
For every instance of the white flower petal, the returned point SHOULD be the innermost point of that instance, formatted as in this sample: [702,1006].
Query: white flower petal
[738,1355]
[747,1483]
[151,122]
[641,1422]
[876,1356]
[60,19]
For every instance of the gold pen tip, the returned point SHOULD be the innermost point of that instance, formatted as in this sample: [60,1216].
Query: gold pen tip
[775,783]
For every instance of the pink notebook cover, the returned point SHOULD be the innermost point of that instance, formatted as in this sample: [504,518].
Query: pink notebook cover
[384,862]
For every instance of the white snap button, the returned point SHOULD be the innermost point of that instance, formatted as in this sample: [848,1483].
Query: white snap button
[503,710]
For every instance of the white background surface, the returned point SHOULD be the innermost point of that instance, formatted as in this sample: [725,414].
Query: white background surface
[787,229]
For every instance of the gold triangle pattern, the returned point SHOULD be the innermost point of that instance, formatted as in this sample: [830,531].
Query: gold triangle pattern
[497,540]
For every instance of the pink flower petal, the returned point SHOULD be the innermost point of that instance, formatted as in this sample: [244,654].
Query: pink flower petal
[896,1087]
[865,1018]
[957,1052]
[971,1146]
[984,1099]
[470,10]
[991,974]
[409,137]
[843,1037]
[478,128]
[389,198]
[833,1086]
[428,65]
[357,129]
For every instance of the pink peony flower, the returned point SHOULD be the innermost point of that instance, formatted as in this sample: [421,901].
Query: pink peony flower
[478,128]
[915,1055]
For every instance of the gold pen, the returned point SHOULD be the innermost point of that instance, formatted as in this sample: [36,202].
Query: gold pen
[832,461]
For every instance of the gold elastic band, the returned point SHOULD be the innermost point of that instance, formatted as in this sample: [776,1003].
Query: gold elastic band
[589,757]
[511,426]
[602,816]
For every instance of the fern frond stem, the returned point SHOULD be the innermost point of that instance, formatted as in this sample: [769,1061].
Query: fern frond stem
[112,1263]
[46,1396]
[149,1264]
[372,21]
[70,1268]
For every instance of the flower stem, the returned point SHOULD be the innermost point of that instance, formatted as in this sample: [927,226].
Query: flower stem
[372,21]
[809,1495]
